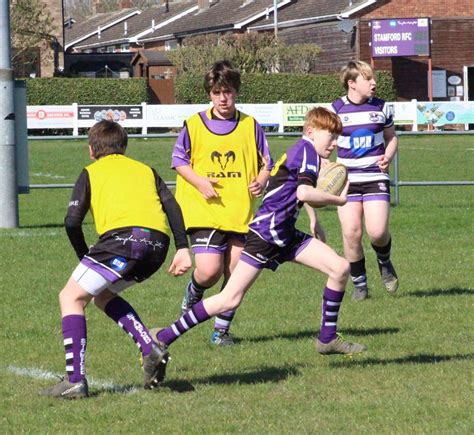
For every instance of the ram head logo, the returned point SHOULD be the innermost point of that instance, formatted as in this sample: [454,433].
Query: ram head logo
[223,160]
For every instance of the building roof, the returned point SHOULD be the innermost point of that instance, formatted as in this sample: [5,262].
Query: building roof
[152,57]
[149,20]
[186,19]
[220,16]
[92,26]
[308,11]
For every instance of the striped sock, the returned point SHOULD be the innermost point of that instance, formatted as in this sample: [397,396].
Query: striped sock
[331,303]
[197,290]
[383,252]
[358,274]
[197,314]
[223,320]
[75,343]
[124,315]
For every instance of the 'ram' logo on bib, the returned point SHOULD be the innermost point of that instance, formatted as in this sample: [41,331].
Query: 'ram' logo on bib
[223,160]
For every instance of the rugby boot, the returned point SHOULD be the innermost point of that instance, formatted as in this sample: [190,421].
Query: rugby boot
[339,346]
[154,364]
[68,390]
[360,293]
[221,337]
[389,276]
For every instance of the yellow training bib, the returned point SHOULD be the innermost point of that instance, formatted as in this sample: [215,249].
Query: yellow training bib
[232,160]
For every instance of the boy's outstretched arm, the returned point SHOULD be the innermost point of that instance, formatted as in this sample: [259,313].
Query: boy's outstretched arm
[317,198]
[77,210]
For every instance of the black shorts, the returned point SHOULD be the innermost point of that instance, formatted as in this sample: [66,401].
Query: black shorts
[212,241]
[261,254]
[378,190]
[128,253]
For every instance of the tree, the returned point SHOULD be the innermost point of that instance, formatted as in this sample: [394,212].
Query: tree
[31,32]
[250,52]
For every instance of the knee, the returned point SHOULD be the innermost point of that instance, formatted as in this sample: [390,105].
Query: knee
[208,275]
[352,235]
[69,296]
[341,270]
[378,236]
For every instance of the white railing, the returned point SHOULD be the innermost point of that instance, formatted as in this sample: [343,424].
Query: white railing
[280,115]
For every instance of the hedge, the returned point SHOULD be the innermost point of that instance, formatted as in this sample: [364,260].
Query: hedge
[289,88]
[59,90]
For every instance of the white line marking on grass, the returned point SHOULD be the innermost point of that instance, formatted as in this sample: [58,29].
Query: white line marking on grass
[37,373]
[48,175]
[30,234]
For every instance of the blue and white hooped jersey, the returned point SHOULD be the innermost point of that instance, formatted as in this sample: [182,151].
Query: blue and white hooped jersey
[362,142]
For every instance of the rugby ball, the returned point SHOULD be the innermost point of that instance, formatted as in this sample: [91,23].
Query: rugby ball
[332,178]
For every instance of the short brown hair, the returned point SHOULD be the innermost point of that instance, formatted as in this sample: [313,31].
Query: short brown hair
[354,69]
[222,75]
[107,137]
[322,119]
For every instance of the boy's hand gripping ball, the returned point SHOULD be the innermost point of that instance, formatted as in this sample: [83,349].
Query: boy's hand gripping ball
[332,178]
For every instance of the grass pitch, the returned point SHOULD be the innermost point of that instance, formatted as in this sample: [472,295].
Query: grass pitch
[416,376]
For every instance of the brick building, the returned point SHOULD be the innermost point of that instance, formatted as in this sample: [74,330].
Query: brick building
[452,50]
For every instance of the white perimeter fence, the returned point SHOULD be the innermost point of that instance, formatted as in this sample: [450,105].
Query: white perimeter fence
[280,115]
[144,116]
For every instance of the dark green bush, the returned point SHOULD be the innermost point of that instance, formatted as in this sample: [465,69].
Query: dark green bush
[289,88]
[59,90]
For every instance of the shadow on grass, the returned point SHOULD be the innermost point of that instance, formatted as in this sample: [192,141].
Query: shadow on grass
[362,332]
[311,333]
[116,389]
[455,291]
[30,227]
[261,375]
[421,358]
[258,376]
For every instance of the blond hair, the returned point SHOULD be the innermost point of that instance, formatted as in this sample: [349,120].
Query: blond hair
[354,69]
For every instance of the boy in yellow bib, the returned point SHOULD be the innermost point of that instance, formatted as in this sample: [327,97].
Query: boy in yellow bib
[134,213]
[223,163]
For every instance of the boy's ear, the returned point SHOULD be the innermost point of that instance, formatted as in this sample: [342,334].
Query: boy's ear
[91,153]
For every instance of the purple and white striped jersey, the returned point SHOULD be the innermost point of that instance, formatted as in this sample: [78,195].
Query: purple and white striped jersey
[362,143]
[276,217]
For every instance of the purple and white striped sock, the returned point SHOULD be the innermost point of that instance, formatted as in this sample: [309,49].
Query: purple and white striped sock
[75,343]
[224,320]
[330,309]
[197,314]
